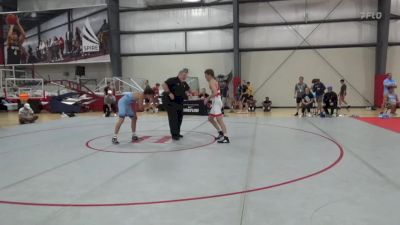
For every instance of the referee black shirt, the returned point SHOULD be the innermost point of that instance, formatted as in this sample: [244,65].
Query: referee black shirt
[178,88]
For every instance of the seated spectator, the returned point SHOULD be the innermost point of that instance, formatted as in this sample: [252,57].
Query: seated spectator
[307,101]
[26,114]
[110,104]
[267,105]
[391,100]
[251,102]
[203,94]
[330,101]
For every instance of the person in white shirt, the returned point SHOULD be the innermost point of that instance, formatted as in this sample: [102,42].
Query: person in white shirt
[388,83]
[26,114]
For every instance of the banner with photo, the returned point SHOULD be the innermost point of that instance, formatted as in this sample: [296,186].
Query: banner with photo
[79,35]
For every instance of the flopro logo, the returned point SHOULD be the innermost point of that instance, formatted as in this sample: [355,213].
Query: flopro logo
[90,43]
[371,15]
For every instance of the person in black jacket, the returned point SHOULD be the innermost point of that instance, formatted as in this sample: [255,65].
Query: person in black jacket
[175,92]
[330,101]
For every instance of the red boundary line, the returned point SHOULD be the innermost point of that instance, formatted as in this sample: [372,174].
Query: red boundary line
[336,162]
[150,152]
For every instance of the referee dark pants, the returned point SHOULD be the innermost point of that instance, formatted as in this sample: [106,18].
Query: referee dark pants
[175,117]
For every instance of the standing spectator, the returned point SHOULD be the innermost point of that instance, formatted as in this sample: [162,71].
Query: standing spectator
[110,104]
[203,94]
[156,99]
[391,100]
[267,104]
[224,92]
[299,90]
[31,56]
[388,83]
[103,36]
[342,95]
[307,101]
[146,85]
[330,101]
[319,90]
[78,37]
[250,89]
[107,88]
[61,47]
[26,114]
[68,39]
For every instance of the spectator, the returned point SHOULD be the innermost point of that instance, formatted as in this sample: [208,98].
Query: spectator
[307,101]
[342,95]
[61,44]
[203,94]
[267,105]
[319,90]
[250,89]
[68,40]
[224,92]
[110,104]
[391,100]
[103,36]
[299,90]
[387,83]
[330,101]
[251,102]
[26,114]
[244,97]
[146,85]
[107,88]
[156,99]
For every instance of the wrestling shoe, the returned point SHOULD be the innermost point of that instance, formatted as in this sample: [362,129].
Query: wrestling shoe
[135,138]
[225,140]
[180,136]
[220,135]
[115,141]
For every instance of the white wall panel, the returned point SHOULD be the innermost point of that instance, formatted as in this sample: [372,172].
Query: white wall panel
[59,32]
[132,3]
[344,33]
[277,36]
[325,34]
[164,42]
[355,64]
[296,10]
[209,40]
[81,12]
[176,18]
[169,65]
[63,18]
[31,31]
[41,5]
[395,7]
[394,32]
[393,64]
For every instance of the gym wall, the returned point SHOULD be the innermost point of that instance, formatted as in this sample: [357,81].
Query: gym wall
[96,71]
[159,68]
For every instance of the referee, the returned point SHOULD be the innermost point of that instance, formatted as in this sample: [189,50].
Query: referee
[175,92]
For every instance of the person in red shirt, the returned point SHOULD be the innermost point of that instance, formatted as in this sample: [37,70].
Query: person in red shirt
[156,90]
